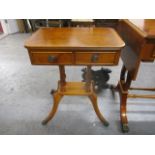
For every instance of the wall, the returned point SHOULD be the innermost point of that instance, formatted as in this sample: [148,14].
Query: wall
[9,26]
[1,29]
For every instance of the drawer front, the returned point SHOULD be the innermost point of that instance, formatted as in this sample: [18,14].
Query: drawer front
[96,58]
[51,58]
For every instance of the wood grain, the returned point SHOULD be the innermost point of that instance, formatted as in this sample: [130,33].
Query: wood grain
[75,38]
[139,36]
[61,58]
[74,46]
[145,26]
[105,58]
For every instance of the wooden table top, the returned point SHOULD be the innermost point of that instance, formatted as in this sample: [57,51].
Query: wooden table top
[76,39]
[145,27]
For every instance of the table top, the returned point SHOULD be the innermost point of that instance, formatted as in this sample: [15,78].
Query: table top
[146,27]
[75,38]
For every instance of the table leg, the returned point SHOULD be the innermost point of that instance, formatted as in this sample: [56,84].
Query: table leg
[62,85]
[124,85]
[123,110]
[62,74]
[56,99]
[122,77]
[93,99]
[62,77]
[88,78]
[56,95]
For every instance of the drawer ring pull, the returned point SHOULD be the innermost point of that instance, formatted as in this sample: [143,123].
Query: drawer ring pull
[52,58]
[94,57]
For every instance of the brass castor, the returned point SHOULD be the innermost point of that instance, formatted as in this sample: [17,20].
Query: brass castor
[44,122]
[125,128]
[53,91]
[106,123]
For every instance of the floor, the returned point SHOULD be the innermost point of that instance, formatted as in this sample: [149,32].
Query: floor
[25,98]
[2,35]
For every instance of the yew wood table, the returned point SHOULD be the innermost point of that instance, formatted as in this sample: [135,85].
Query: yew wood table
[74,46]
[139,36]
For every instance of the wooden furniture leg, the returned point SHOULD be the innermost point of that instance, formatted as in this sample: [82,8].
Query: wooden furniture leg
[56,99]
[62,74]
[124,85]
[123,110]
[123,71]
[74,88]
[62,78]
[56,95]
[88,78]
[93,99]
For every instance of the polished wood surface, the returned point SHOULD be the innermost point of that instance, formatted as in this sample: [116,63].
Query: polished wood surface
[52,58]
[139,36]
[141,47]
[74,88]
[75,38]
[74,58]
[145,26]
[74,46]
[97,58]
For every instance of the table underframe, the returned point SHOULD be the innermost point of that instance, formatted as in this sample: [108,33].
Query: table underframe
[74,88]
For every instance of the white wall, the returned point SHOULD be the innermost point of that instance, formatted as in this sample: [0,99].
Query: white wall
[9,26]
[4,26]
[13,27]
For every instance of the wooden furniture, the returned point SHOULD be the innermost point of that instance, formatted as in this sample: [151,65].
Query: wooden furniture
[82,22]
[35,24]
[106,22]
[139,36]
[74,46]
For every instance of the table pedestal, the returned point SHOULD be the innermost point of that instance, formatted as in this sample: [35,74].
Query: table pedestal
[74,88]
[124,85]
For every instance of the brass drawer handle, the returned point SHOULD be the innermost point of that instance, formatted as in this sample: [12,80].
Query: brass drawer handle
[52,58]
[94,57]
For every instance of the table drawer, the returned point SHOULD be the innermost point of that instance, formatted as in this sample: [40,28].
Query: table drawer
[51,58]
[97,58]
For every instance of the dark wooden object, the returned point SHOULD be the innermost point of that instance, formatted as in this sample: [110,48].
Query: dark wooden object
[106,22]
[74,46]
[100,78]
[139,36]
[82,23]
